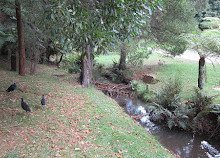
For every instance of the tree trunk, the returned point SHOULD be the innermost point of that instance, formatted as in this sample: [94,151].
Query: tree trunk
[87,66]
[20,39]
[33,62]
[122,64]
[12,57]
[201,77]
[13,62]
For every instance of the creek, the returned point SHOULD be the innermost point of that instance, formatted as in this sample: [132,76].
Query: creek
[182,143]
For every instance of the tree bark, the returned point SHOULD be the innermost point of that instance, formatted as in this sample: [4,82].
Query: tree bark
[122,64]
[87,66]
[13,62]
[201,77]
[20,39]
[12,57]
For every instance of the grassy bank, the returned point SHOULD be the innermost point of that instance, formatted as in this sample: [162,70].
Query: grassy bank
[165,67]
[77,122]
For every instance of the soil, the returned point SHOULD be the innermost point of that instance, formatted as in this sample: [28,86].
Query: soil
[146,70]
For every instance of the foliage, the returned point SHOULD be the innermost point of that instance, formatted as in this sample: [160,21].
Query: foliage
[214,10]
[116,74]
[7,24]
[73,62]
[97,24]
[175,18]
[168,95]
[216,110]
[136,53]
[210,23]
[99,72]
[201,100]
[205,45]
[167,107]
[206,114]
[141,90]
[107,20]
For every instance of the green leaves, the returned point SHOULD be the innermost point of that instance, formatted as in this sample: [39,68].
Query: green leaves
[110,20]
[207,43]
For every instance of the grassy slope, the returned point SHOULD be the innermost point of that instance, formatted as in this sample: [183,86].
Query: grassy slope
[77,122]
[188,73]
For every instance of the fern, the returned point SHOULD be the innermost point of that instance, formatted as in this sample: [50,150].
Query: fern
[167,105]
[202,100]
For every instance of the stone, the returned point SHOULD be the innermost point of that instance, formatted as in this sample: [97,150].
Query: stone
[148,79]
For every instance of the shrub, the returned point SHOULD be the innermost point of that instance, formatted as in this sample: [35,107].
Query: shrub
[141,90]
[167,107]
[201,100]
[116,75]
[169,94]
[73,62]
[98,72]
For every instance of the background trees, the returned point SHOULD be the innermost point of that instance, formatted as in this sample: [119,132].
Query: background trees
[169,22]
[90,24]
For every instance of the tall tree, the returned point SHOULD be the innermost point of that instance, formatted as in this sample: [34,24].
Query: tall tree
[93,23]
[20,39]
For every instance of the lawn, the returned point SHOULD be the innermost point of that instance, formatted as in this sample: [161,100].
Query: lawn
[167,67]
[77,122]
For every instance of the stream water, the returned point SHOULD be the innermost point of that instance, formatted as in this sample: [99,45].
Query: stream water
[184,144]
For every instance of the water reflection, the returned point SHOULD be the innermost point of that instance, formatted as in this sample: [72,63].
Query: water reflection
[184,144]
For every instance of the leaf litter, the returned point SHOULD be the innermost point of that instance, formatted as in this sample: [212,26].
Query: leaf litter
[61,130]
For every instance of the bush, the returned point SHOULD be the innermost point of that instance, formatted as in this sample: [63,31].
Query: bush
[98,72]
[167,106]
[141,90]
[73,62]
[201,100]
[115,74]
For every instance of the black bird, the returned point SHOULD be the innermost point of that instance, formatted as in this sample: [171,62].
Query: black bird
[25,106]
[43,102]
[12,87]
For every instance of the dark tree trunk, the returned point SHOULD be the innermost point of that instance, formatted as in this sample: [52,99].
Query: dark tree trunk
[13,62]
[87,66]
[61,58]
[12,57]
[201,77]
[33,62]
[122,64]
[20,39]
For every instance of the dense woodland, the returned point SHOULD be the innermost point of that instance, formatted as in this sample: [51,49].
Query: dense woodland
[70,34]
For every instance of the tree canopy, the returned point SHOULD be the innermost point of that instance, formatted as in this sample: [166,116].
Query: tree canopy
[175,18]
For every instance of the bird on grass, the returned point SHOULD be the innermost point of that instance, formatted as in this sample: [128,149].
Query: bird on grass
[43,102]
[12,87]
[25,106]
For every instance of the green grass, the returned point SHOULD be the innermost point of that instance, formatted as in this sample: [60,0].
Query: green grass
[77,122]
[108,59]
[186,71]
